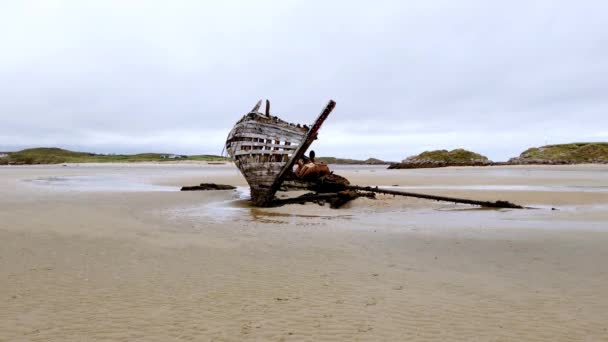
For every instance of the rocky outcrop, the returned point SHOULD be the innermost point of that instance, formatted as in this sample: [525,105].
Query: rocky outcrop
[208,186]
[443,158]
[564,154]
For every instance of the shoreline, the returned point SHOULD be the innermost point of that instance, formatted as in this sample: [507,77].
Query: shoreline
[405,166]
[196,162]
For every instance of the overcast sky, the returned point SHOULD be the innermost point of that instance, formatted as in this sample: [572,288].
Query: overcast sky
[174,76]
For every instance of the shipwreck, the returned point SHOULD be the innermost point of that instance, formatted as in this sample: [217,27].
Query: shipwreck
[266,148]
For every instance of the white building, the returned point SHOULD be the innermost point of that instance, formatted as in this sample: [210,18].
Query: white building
[172,156]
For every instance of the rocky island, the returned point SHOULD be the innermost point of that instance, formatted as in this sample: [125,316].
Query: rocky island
[443,158]
[347,161]
[574,153]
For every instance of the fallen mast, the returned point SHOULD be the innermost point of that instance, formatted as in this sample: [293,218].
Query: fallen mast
[487,204]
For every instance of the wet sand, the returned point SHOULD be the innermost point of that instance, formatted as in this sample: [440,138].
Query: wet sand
[114,252]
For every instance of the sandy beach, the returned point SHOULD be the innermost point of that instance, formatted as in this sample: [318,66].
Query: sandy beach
[114,252]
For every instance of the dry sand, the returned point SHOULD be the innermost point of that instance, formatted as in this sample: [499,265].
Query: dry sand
[113,252]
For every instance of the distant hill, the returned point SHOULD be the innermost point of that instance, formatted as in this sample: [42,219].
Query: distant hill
[375,161]
[54,155]
[574,153]
[347,161]
[443,158]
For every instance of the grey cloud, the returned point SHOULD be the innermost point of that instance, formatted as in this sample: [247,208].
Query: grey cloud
[407,75]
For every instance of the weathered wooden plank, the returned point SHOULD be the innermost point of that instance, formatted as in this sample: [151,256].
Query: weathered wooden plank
[253,170]
[254,132]
[263,179]
[262,144]
[274,127]
[254,167]
[256,107]
[294,141]
[250,169]
[272,120]
[259,172]
[280,125]
[310,137]
[266,164]
[262,156]
[237,145]
[267,130]
[258,151]
[267,108]
[269,152]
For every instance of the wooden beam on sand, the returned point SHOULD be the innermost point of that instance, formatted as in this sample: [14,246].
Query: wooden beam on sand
[487,204]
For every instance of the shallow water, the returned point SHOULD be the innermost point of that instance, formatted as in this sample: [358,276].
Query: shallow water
[103,183]
[235,206]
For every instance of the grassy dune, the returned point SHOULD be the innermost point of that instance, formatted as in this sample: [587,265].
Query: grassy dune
[53,155]
[574,153]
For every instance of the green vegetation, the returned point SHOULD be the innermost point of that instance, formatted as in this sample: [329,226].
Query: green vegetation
[375,161]
[334,160]
[454,156]
[574,153]
[53,155]
[346,161]
[443,158]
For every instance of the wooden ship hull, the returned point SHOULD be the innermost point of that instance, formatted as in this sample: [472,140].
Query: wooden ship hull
[265,148]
